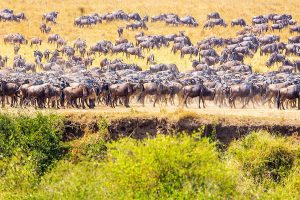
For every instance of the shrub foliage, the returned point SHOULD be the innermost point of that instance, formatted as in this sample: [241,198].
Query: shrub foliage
[35,163]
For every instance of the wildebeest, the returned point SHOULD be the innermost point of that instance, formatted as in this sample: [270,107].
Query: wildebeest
[136,51]
[198,90]
[50,17]
[36,41]
[120,31]
[238,22]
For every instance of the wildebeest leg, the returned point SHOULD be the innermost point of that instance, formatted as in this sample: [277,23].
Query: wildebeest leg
[74,102]
[143,100]
[203,101]
[126,102]
[12,101]
[199,105]
[269,102]
[230,102]
[171,99]
[252,100]
[243,100]
[57,103]
[155,100]
[246,101]
[82,102]
[282,103]
[233,102]
[48,102]
[185,100]
[3,101]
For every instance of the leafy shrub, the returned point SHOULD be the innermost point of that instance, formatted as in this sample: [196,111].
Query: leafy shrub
[30,145]
[265,158]
[103,125]
[160,168]
[92,148]
[258,166]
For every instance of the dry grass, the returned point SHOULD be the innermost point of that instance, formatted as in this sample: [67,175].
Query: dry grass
[70,9]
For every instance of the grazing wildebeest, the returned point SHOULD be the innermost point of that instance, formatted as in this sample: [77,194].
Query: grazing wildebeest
[275,58]
[213,15]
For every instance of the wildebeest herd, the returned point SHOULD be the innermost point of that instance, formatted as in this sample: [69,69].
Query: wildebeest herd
[69,77]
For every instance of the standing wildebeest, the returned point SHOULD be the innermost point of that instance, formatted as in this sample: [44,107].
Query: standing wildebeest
[189,50]
[294,29]
[198,90]
[16,49]
[294,39]
[120,31]
[47,54]
[245,91]
[238,22]
[43,27]
[50,17]
[8,89]
[151,89]
[61,42]
[136,51]
[288,93]
[277,27]
[123,90]
[36,41]
[53,38]
[268,49]
[78,91]
[150,59]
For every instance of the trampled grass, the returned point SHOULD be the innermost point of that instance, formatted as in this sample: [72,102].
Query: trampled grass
[70,9]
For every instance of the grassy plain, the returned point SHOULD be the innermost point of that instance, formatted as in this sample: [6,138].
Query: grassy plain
[70,9]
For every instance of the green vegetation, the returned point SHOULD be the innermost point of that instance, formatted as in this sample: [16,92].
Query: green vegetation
[28,148]
[37,164]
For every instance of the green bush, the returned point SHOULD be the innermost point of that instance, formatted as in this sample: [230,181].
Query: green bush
[265,158]
[30,145]
[34,165]
[160,168]
[92,148]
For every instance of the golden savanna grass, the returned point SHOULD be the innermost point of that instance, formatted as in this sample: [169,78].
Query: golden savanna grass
[70,9]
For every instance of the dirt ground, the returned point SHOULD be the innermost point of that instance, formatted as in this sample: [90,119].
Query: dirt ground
[260,115]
